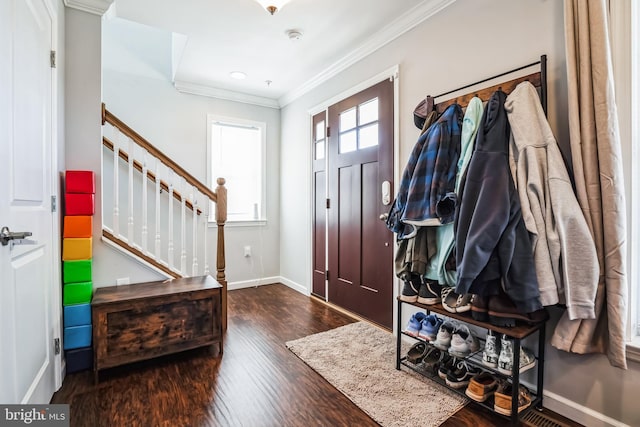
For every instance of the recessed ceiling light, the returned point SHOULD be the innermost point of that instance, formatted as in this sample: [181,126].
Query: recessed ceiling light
[238,75]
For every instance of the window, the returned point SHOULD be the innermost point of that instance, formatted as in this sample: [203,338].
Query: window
[237,153]
[359,127]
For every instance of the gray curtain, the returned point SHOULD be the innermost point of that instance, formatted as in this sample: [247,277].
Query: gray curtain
[597,163]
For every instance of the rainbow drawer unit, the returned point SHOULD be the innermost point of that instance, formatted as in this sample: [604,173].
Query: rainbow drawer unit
[77,337]
[79,198]
[77,315]
[77,293]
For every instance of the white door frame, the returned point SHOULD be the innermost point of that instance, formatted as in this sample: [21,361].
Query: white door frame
[56,292]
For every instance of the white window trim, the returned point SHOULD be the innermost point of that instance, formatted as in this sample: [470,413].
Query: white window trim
[216,118]
[625,30]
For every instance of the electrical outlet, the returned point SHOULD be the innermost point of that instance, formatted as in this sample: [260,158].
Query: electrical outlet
[122,281]
[247,251]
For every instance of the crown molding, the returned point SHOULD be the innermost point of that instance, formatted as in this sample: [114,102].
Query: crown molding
[214,92]
[390,32]
[95,7]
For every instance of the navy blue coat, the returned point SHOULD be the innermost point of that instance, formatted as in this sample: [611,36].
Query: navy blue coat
[493,247]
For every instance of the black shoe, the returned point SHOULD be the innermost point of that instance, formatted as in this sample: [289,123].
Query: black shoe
[448,363]
[429,292]
[460,376]
[410,289]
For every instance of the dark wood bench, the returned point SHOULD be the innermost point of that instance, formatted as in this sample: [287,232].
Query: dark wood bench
[146,320]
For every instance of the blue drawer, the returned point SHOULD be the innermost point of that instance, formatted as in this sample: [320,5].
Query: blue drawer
[77,315]
[77,337]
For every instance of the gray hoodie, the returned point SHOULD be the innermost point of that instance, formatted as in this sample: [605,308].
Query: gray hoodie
[564,253]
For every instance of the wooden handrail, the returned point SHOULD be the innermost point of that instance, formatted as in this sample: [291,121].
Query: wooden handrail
[150,175]
[107,117]
[137,252]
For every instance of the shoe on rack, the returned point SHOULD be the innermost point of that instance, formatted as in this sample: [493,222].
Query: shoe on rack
[460,376]
[491,354]
[429,292]
[410,289]
[447,364]
[502,398]
[463,342]
[480,308]
[482,386]
[505,360]
[430,326]
[415,324]
[417,352]
[503,312]
[431,361]
[454,302]
[443,338]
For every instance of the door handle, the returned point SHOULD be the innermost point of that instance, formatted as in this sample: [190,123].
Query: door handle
[7,236]
[384,216]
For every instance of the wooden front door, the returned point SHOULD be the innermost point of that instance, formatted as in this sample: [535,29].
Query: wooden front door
[360,170]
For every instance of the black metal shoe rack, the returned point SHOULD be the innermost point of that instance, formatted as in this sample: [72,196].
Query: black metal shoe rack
[539,80]
[517,334]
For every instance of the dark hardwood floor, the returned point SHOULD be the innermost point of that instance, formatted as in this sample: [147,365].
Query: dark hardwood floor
[256,383]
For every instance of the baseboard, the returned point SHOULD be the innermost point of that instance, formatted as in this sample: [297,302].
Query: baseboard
[295,286]
[578,413]
[252,283]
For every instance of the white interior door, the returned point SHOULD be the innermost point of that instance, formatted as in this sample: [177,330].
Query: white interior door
[27,373]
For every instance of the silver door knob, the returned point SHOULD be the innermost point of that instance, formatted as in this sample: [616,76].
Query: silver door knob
[384,216]
[6,235]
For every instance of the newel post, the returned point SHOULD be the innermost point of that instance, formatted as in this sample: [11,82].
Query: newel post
[221,219]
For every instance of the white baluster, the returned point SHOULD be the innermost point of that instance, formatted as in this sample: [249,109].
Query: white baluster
[145,221]
[183,230]
[116,197]
[130,221]
[206,237]
[194,205]
[158,191]
[170,243]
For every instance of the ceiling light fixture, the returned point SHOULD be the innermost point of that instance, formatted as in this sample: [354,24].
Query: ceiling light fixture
[238,75]
[272,6]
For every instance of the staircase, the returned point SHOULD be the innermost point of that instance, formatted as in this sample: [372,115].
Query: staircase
[156,211]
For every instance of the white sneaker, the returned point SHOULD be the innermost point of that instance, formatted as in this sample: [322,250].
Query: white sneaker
[443,338]
[505,360]
[490,354]
[463,342]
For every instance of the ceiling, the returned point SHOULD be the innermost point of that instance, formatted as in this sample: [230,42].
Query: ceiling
[212,38]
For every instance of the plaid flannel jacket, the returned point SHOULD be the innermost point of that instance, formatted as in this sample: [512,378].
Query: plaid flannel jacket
[430,173]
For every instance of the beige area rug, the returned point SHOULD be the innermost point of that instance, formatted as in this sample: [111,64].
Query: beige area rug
[359,360]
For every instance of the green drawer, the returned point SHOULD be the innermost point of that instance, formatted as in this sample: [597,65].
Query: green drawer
[77,293]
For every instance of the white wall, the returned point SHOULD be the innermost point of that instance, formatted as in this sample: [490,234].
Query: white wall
[137,89]
[83,135]
[466,42]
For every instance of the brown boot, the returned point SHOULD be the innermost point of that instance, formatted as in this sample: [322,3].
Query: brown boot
[480,308]
[503,312]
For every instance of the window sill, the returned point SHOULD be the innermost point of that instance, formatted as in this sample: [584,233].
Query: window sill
[250,223]
[633,349]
